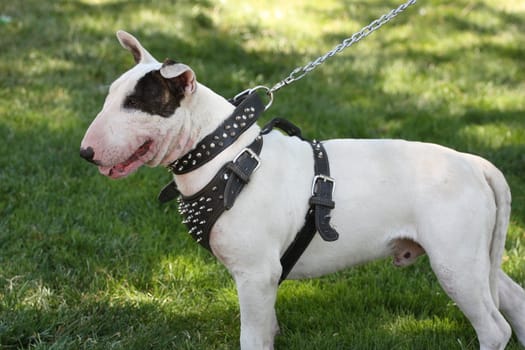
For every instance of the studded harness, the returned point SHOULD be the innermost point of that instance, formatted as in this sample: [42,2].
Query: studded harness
[201,210]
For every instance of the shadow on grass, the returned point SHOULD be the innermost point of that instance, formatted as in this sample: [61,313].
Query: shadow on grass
[103,325]
[376,306]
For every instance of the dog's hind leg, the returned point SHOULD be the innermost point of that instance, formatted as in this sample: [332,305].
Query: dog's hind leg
[466,281]
[512,304]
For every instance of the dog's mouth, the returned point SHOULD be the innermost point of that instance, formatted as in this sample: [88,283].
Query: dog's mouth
[135,161]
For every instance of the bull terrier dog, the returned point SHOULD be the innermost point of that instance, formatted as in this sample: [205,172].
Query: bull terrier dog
[391,197]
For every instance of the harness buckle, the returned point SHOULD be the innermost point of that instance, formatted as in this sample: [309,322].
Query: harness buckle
[252,155]
[324,178]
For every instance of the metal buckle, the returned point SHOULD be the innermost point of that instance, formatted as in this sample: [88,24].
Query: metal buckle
[252,155]
[325,178]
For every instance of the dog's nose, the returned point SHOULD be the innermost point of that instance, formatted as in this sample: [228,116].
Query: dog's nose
[87,154]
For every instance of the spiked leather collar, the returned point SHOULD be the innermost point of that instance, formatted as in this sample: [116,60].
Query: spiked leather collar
[244,116]
[201,210]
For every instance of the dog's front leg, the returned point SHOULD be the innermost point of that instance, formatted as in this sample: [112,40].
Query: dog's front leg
[257,291]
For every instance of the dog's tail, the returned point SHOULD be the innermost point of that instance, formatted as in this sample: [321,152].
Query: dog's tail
[502,198]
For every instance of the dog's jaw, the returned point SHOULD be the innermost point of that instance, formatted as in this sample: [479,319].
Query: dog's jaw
[135,161]
[157,150]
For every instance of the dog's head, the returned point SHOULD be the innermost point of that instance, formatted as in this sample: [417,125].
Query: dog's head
[146,115]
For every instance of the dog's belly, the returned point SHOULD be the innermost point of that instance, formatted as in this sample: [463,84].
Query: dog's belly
[389,189]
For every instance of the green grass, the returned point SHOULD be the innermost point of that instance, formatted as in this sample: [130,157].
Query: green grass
[89,263]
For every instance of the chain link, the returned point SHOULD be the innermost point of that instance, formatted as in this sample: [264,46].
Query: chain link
[300,72]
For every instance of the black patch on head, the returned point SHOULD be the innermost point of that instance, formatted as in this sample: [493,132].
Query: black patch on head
[156,95]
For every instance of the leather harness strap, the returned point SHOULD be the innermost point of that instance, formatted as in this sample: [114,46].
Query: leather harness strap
[248,108]
[201,210]
[318,215]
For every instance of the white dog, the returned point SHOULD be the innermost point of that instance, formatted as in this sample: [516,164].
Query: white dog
[392,196]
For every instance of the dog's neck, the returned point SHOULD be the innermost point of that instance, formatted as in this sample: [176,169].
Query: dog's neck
[210,109]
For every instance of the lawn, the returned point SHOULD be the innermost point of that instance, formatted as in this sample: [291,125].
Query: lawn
[91,263]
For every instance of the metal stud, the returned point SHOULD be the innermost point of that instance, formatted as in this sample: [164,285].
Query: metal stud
[212,145]
[224,135]
[199,155]
[235,125]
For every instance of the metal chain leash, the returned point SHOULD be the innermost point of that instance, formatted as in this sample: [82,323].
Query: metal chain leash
[299,72]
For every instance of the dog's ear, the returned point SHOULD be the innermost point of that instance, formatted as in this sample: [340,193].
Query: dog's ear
[129,42]
[181,73]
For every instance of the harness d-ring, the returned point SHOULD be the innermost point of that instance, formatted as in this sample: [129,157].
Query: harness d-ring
[269,93]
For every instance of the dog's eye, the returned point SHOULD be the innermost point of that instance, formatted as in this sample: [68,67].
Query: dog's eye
[131,102]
